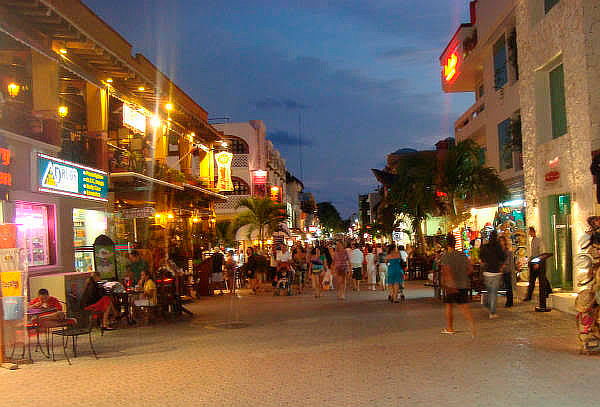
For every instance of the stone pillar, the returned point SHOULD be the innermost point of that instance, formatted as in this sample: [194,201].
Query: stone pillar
[97,123]
[45,96]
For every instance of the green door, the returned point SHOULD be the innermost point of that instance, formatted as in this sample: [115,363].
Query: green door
[560,267]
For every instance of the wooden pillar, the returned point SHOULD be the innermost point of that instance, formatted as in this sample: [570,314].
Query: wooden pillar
[45,95]
[97,123]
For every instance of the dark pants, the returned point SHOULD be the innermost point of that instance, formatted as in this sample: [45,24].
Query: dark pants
[507,279]
[545,288]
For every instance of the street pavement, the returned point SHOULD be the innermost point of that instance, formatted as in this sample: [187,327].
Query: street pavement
[302,351]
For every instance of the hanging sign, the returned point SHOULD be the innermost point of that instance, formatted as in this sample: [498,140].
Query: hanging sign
[66,178]
[450,66]
[224,182]
[134,120]
[260,177]
[138,213]
[105,260]
[5,175]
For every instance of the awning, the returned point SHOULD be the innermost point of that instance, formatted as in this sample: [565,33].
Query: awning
[205,191]
[141,177]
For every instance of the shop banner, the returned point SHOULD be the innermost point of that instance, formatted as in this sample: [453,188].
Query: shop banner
[66,178]
[11,283]
[224,182]
[138,213]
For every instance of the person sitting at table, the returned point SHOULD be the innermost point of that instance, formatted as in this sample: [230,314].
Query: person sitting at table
[94,299]
[136,266]
[45,301]
[149,291]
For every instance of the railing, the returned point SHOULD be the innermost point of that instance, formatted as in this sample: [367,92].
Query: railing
[470,116]
[231,204]
[78,147]
[239,161]
[17,118]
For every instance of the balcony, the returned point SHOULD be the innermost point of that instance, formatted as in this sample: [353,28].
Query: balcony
[470,121]
[461,65]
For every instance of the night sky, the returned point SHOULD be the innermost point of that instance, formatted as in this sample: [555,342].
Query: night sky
[363,75]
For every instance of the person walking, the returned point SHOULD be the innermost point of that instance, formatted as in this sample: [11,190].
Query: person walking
[395,273]
[493,258]
[317,265]
[455,271]
[536,247]
[251,267]
[341,265]
[356,260]
[508,271]
[371,268]
[382,269]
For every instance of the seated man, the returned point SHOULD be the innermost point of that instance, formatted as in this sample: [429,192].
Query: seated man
[45,301]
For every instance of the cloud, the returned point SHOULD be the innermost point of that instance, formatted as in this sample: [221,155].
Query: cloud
[285,138]
[274,103]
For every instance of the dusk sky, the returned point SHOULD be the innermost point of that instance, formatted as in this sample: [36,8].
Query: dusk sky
[362,74]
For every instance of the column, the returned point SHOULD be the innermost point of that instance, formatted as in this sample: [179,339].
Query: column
[45,96]
[97,123]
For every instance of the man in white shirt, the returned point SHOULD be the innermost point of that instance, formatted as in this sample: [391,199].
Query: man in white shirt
[356,260]
[535,249]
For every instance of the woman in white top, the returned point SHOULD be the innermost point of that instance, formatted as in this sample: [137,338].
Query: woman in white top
[372,268]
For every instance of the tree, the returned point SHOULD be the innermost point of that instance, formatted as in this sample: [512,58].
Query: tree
[464,177]
[224,233]
[261,214]
[412,192]
[329,217]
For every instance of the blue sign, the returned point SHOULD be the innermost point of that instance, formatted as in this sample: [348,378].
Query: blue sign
[71,179]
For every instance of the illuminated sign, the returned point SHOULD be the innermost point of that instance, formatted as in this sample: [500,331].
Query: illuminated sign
[275,193]
[5,175]
[450,66]
[66,178]
[133,119]
[260,177]
[224,182]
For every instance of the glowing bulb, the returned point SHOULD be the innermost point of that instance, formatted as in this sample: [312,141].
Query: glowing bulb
[170,216]
[63,111]
[63,51]
[141,88]
[224,144]
[13,89]
[169,106]
[195,220]
[109,80]
[158,216]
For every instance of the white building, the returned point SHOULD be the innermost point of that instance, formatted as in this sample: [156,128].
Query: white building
[482,58]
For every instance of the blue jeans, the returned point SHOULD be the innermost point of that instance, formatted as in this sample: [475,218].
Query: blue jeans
[492,284]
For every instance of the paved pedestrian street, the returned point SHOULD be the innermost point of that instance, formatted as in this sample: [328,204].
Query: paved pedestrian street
[302,351]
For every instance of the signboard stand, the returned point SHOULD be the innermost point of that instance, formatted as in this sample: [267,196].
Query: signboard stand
[13,293]
[105,259]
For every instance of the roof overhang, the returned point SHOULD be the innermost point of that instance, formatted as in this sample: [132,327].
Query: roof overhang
[205,191]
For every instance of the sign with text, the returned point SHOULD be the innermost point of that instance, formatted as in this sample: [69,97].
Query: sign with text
[71,179]
[5,175]
[224,182]
[134,120]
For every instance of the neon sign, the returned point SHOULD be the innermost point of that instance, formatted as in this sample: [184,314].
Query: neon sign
[5,175]
[450,66]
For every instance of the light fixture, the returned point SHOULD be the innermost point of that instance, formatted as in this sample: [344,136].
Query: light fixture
[63,51]
[63,111]
[224,144]
[170,216]
[158,216]
[13,89]
[141,88]
[109,80]
[169,106]
[195,220]
[155,121]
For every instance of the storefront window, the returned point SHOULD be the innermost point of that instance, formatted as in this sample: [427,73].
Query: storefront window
[87,226]
[36,232]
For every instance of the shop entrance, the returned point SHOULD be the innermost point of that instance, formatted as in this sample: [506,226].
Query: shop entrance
[560,267]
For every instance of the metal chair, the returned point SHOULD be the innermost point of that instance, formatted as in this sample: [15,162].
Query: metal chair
[84,327]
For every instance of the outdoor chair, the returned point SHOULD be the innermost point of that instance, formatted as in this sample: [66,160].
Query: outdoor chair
[83,327]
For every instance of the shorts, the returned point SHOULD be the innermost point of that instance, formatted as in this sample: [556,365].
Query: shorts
[357,273]
[460,296]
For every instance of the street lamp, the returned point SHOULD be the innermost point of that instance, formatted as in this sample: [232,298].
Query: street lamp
[63,111]
[13,89]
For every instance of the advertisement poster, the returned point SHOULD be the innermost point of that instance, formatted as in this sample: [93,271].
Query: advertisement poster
[224,182]
[105,261]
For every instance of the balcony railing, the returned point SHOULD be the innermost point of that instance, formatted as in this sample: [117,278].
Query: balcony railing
[469,119]
[17,118]
[231,204]
[239,161]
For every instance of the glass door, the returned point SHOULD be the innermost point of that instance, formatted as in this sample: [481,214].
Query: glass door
[560,216]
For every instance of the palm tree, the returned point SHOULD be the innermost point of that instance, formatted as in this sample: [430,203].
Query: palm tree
[224,232]
[412,192]
[464,177]
[261,214]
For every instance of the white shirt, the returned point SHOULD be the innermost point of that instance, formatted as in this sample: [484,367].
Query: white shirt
[536,248]
[356,258]
[284,257]
[404,256]
[371,261]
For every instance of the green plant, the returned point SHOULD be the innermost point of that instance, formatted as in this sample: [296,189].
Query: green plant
[261,214]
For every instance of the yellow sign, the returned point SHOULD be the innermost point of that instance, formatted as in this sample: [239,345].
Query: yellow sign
[11,283]
[224,182]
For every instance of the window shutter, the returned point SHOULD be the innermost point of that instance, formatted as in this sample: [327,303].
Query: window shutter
[558,108]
